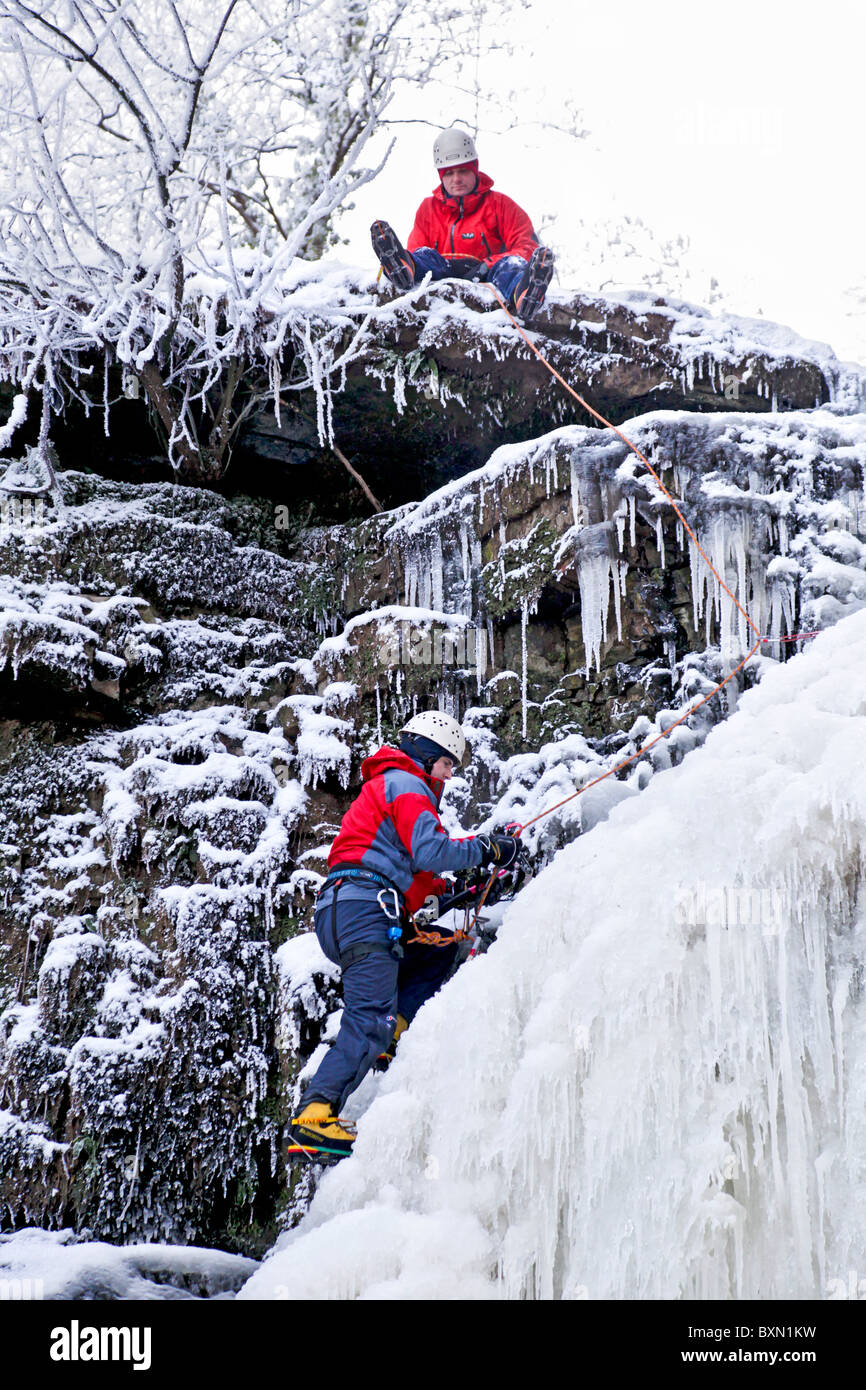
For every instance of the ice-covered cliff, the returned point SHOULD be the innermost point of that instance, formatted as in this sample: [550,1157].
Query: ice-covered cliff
[189,682]
[650,1087]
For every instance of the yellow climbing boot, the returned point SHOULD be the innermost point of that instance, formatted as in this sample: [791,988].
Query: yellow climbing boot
[318,1135]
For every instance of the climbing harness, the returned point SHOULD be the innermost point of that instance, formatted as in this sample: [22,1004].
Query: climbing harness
[398,917]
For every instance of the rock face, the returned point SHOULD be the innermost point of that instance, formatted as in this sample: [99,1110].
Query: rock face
[446,380]
[419,390]
[188,690]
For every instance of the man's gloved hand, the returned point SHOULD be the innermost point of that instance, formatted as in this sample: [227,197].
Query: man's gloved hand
[500,851]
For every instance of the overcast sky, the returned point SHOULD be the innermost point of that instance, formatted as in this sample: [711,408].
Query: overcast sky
[738,125]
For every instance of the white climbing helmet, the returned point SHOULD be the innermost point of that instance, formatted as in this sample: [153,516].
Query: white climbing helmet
[452,147]
[441,729]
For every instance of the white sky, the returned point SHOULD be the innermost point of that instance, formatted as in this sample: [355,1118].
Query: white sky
[739,125]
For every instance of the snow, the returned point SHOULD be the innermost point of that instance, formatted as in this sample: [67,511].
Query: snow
[305,979]
[382,618]
[54,1265]
[299,959]
[321,748]
[658,1100]
[17,416]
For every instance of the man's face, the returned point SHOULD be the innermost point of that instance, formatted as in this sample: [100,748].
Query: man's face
[442,769]
[458,181]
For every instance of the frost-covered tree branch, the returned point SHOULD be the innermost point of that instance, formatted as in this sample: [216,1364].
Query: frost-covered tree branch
[162,164]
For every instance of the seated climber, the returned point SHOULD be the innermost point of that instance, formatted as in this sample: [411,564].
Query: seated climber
[380,869]
[467,230]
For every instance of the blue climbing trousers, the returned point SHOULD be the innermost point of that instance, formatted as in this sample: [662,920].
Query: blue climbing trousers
[505,274]
[376,986]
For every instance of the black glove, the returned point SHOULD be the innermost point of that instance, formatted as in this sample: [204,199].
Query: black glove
[500,851]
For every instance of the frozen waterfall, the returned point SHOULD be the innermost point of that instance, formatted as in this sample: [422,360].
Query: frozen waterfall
[652,1086]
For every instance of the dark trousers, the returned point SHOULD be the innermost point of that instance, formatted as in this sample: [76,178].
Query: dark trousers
[506,273]
[376,987]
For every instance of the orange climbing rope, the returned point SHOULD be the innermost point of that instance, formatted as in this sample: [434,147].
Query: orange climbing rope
[635,450]
[436,938]
[644,460]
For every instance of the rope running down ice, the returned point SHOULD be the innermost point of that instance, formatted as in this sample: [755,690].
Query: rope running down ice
[759,637]
[435,938]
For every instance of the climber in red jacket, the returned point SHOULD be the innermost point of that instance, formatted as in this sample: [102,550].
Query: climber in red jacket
[469,231]
[381,868]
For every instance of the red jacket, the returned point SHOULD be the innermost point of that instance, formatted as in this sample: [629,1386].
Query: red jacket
[482,224]
[393,827]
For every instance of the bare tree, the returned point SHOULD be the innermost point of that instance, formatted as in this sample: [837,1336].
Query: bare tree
[162,164]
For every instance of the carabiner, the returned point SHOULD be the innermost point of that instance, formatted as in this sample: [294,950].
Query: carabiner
[397,914]
[395,932]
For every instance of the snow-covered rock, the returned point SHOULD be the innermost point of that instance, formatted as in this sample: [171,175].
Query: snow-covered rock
[189,690]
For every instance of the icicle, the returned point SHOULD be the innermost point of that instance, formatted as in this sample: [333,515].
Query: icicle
[425,587]
[741,542]
[632,512]
[593,578]
[699,575]
[618,575]
[550,470]
[476,568]
[104,392]
[437,587]
[575,492]
[524,619]
[378,714]
[412,563]
[660,540]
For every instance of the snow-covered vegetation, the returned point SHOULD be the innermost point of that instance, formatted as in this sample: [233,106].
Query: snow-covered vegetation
[162,169]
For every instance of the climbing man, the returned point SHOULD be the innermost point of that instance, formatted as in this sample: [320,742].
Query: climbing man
[467,230]
[381,868]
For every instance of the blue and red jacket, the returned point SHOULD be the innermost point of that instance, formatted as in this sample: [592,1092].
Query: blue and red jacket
[393,827]
[483,224]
